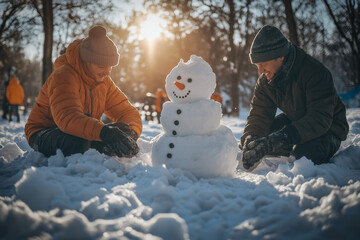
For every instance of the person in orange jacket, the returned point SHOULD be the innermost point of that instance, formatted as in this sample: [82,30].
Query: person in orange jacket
[15,97]
[68,110]
[161,97]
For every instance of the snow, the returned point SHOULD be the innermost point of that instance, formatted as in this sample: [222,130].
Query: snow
[93,196]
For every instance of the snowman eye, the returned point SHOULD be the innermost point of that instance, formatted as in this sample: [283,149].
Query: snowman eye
[189,80]
[178,78]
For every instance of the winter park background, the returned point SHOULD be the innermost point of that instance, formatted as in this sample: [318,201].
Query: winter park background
[93,196]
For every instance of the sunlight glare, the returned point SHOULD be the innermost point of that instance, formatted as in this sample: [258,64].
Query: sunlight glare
[151,28]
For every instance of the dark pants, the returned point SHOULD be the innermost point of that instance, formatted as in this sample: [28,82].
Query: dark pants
[158,115]
[14,108]
[48,140]
[318,150]
[5,108]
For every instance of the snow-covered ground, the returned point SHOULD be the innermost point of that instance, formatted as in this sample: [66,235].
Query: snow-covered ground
[92,196]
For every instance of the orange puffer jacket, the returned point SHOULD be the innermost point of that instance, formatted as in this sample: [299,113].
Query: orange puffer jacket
[15,92]
[75,102]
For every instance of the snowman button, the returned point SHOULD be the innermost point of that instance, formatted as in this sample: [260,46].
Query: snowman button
[171,145]
[169,155]
[178,111]
[176,122]
[174,132]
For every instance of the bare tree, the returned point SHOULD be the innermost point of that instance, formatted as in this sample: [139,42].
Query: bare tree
[233,23]
[12,34]
[45,10]
[54,13]
[346,17]
[9,22]
[291,21]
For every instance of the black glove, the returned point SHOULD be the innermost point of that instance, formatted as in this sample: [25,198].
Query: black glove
[125,128]
[258,148]
[248,139]
[246,157]
[118,141]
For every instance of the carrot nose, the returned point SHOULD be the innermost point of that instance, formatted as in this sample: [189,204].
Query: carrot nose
[179,85]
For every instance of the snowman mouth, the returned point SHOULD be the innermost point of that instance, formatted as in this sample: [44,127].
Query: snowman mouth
[184,96]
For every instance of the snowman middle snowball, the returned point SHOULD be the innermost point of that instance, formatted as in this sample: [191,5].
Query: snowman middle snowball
[193,138]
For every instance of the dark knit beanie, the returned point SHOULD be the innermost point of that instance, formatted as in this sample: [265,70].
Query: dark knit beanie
[269,43]
[98,48]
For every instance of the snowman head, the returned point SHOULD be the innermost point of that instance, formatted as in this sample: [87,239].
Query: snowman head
[191,81]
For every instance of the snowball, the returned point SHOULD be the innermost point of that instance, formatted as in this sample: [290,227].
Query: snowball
[197,78]
[200,117]
[210,155]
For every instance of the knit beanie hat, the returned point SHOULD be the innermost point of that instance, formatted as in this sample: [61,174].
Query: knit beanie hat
[98,48]
[268,44]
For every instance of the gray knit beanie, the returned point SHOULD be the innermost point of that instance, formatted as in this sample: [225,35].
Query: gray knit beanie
[268,44]
[98,48]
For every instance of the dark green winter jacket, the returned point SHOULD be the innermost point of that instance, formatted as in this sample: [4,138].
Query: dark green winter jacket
[304,90]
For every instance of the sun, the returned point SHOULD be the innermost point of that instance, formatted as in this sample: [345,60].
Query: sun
[152,27]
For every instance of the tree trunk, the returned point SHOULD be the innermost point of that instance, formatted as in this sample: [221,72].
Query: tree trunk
[291,22]
[48,23]
[232,57]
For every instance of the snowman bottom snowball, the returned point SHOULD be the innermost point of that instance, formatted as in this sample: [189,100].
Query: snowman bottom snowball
[209,155]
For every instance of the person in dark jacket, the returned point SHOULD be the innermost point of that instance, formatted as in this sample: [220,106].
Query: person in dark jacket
[313,119]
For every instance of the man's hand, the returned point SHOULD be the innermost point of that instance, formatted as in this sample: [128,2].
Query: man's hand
[125,128]
[248,139]
[121,143]
[249,157]
[256,149]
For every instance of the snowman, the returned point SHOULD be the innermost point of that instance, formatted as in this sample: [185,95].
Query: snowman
[193,138]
